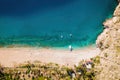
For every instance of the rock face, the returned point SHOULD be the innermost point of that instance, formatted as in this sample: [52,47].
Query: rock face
[109,44]
[118,0]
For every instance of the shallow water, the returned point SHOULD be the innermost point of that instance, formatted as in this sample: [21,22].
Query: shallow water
[53,23]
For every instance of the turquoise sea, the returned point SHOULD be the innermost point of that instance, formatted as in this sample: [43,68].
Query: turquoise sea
[53,23]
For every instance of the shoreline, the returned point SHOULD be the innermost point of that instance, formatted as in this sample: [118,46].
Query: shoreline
[48,47]
[9,57]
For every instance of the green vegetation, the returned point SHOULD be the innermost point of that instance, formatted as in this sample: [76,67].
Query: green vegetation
[96,60]
[40,71]
[117,48]
[105,55]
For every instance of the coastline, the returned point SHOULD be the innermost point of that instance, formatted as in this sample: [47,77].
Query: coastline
[9,57]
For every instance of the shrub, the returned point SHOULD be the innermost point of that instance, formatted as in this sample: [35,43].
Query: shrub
[49,72]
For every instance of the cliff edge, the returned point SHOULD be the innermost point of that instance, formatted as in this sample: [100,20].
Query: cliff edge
[109,44]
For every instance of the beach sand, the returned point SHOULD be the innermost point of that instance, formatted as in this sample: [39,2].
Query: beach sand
[9,57]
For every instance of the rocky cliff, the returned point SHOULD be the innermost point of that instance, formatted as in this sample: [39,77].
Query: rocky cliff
[109,44]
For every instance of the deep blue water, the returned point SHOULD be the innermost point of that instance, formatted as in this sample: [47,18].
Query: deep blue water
[50,22]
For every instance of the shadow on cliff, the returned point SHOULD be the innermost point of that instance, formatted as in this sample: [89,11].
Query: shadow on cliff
[28,7]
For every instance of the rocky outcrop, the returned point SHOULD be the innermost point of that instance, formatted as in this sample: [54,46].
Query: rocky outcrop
[119,1]
[109,44]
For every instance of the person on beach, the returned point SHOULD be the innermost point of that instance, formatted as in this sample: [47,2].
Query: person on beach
[70,48]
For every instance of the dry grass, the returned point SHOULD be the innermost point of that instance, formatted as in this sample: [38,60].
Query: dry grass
[41,71]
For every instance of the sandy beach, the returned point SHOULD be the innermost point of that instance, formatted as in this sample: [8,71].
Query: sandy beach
[13,56]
